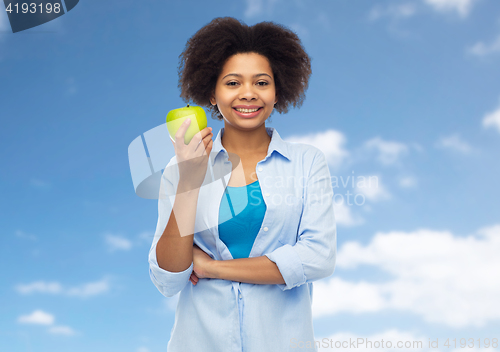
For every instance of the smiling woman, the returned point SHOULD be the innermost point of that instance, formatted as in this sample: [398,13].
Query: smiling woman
[245,95]
[243,256]
[209,49]
[246,85]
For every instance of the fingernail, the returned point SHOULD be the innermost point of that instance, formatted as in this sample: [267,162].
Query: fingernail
[187,121]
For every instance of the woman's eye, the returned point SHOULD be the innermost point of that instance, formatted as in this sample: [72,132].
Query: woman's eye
[260,83]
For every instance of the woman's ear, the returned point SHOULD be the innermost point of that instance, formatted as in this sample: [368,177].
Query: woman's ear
[212,100]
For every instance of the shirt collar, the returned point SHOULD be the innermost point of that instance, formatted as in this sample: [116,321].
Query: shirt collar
[277,144]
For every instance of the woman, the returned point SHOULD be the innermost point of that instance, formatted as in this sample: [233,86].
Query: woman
[246,222]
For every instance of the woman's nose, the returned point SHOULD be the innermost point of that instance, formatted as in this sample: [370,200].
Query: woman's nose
[247,92]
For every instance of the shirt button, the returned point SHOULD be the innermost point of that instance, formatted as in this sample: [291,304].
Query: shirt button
[240,296]
[265,229]
[260,169]
[267,194]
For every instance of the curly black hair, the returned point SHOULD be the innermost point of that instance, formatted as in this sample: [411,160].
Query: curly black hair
[207,50]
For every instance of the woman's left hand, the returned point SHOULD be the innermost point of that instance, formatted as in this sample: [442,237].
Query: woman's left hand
[202,262]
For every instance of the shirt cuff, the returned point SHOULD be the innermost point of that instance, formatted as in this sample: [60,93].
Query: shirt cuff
[167,282]
[289,265]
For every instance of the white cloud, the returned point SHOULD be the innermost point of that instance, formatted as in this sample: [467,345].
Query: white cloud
[324,21]
[145,237]
[417,147]
[482,49]
[40,184]
[492,119]
[344,215]
[441,277]
[348,341]
[89,289]
[371,188]
[38,317]
[337,295]
[330,142]
[388,152]
[394,11]
[405,10]
[118,243]
[462,7]
[71,86]
[351,194]
[454,142]
[407,182]
[62,330]
[256,8]
[40,286]
[300,30]
[83,291]
[22,234]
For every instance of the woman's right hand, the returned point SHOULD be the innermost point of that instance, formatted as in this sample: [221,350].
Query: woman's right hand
[192,158]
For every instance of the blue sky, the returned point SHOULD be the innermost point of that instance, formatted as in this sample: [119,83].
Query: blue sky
[405,92]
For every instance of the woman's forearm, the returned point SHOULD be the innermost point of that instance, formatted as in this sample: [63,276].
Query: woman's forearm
[257,270]
[174,250]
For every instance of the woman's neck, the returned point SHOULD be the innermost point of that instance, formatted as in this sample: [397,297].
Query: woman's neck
[245,142]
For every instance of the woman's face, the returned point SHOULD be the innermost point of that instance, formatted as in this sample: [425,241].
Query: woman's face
[245,92]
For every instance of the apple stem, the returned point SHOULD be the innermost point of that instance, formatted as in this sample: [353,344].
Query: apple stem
[188,106]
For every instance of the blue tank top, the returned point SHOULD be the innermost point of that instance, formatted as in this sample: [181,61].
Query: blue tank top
[241,213]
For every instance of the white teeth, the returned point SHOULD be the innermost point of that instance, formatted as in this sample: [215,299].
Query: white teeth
[246,110]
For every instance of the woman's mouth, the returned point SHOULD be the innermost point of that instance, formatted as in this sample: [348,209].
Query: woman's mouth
[247,113]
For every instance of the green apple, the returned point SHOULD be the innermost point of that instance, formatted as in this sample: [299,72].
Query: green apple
[176,117]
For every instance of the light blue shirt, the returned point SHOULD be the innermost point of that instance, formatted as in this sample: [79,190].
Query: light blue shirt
[298,233]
